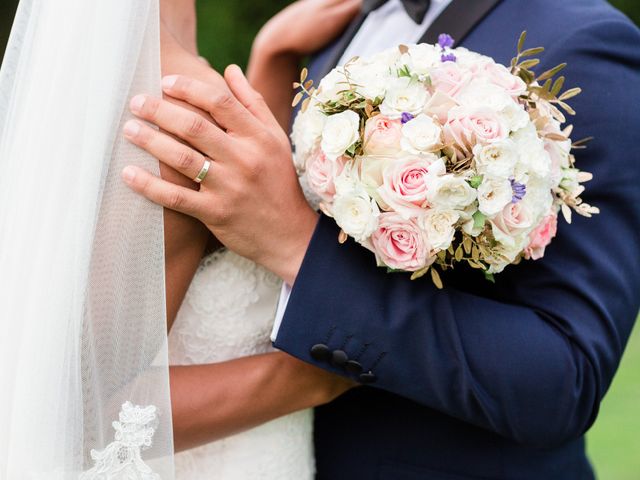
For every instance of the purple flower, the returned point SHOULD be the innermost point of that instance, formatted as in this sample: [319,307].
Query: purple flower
[445,41]
[519,191]
[449,57]
[407,117]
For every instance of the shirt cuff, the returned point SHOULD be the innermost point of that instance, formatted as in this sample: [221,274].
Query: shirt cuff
[285,293]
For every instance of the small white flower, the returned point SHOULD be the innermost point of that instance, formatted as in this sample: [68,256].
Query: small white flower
[493,195]
[496,159]
[306,134]
[353,209]
[340,132]
[330,85]
[421,59]
[404,95]
[450,192]
[439,226]
[421,135]
[480,94]
[515,116]
[370,78]
[532,156]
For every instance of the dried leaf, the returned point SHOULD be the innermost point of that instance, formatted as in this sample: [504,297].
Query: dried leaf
[459,253]
[303,75]
[308,84]
[566,213]
[551,72]
[467,243]
[521,40]
[527,64]
[557,86]
[570,94]
[435,277]
[532,51]
[567,108]
[342,237]
[296,85]
[297,99]
[403,49]
[556,137]
[420,273]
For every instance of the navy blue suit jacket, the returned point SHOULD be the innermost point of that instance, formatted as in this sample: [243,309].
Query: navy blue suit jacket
[484,381]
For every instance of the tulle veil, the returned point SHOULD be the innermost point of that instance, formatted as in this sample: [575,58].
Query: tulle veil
[84,390]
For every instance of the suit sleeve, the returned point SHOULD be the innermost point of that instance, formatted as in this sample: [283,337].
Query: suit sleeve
[532,356]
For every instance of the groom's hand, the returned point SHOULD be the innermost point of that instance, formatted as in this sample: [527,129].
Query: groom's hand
[250,198]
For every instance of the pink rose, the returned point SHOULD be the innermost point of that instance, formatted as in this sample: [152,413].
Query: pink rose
[466,127]
[405,183]
[382,136]
[400,244]
[511,222]
[449,78]
[541,237]
[321,173]
[501,76]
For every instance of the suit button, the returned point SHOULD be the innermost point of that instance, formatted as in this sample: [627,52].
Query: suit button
[368,377]
[320,352]
[353,367]
[339,358]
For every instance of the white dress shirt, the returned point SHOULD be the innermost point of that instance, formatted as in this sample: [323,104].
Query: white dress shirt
[384,28]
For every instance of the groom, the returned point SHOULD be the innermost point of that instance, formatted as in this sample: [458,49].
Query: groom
[477,380]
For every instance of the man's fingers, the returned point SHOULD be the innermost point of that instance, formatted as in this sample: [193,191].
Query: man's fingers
[219,102]
[167,194]
[169,151]
[185,124]
[245,93]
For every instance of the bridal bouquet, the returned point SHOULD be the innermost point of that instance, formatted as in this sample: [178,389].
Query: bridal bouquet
[430,155]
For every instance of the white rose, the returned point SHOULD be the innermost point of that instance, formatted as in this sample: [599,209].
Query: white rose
[306,134]
[496,159]
[439,226]
[335,81]
[450,192]
[404,95]
[493,195]
[353,209]
[371,79]
[340,132]
[532,157]
[421,135]
[515,116]
[421,59]
[479,94]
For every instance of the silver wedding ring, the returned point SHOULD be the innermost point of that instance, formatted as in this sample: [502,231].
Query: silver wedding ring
[203,173]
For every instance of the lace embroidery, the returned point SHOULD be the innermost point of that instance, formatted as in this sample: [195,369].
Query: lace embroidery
[122,459]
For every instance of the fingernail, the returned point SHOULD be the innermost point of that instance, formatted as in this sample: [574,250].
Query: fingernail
[137,103]
[169,81]
[131,129]
[129,174]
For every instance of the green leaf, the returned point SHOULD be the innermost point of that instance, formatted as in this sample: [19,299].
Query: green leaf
[523,37]
[475,181]
[478,219]
[490,277]
[532,51]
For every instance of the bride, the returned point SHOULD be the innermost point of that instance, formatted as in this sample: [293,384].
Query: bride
[95,341]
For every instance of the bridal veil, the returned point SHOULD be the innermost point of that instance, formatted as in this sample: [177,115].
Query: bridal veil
[84,390]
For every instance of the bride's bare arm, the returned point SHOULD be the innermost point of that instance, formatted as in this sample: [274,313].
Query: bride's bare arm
[179,18]
[185,237]
[301,29]
[211,402]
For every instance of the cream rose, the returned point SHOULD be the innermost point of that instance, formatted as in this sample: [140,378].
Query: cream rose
[465,127]
[493,195]
[450,192]
[421,135]
[449,78]
[510,225]
[382,136]
[439,226]
[340,132]
[404,95]
[496,159]
[354,210]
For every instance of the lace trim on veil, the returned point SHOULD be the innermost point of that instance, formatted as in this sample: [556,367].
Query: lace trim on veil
[122,459]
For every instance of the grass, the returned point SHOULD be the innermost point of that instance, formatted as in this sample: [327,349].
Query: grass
[614,441]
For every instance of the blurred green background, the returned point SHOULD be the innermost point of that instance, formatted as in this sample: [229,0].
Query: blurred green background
[226,30]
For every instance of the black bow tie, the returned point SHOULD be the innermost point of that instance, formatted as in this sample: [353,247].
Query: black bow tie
[416,9]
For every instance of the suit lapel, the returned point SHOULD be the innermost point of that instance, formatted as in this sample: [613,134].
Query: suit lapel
[458,19]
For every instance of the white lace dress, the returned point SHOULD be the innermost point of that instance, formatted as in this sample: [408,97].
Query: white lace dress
[228,313]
